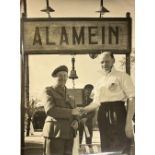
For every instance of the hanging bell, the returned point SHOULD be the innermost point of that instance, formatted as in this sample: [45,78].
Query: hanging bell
[73,74]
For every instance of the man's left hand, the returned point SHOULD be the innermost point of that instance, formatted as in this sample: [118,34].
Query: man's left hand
[75,125]
[82,110]
[129,129]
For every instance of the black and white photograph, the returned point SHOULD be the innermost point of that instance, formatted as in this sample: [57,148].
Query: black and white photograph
[77,77]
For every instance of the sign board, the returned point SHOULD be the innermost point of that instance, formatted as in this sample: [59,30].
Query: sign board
[77,35]
[77,94]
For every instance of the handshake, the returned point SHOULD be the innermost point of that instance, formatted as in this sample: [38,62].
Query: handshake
[79,111]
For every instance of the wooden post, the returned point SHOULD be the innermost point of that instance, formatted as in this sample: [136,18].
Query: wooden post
[24,95]
[132,145]
[22,102]
[26,88]
[128,63]
[25,7]
[24,15]
[22,86]
[129,44]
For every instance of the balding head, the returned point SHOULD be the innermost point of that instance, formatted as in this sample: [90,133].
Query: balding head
[107,54]
[107,61]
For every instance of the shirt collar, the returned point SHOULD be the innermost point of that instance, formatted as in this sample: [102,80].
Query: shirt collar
[107,73]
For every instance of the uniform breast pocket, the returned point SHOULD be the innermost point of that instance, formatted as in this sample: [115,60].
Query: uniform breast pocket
[59,101]
[113,85]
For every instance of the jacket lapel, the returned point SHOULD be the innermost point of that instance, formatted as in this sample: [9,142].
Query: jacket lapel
[65,94]
[70,100]
[60,91]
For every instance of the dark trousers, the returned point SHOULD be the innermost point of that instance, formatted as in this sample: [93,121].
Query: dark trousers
[57,146]
[111,122]
[89,124]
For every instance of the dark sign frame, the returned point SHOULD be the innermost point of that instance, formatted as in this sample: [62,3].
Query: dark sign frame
[115,51]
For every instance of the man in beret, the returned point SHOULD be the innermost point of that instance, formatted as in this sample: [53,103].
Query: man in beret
[62,116]
[87,120]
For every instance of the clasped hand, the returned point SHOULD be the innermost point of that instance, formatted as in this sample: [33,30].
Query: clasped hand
[79,111]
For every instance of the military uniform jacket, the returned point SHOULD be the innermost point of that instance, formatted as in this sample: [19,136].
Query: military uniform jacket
[58,106]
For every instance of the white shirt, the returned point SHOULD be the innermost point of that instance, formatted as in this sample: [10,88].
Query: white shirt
[113,86]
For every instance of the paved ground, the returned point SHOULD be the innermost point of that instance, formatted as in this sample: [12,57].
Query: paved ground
[34,145]
[38,139]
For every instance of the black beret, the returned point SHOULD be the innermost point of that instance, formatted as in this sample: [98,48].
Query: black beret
[59,69]
[88,86]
